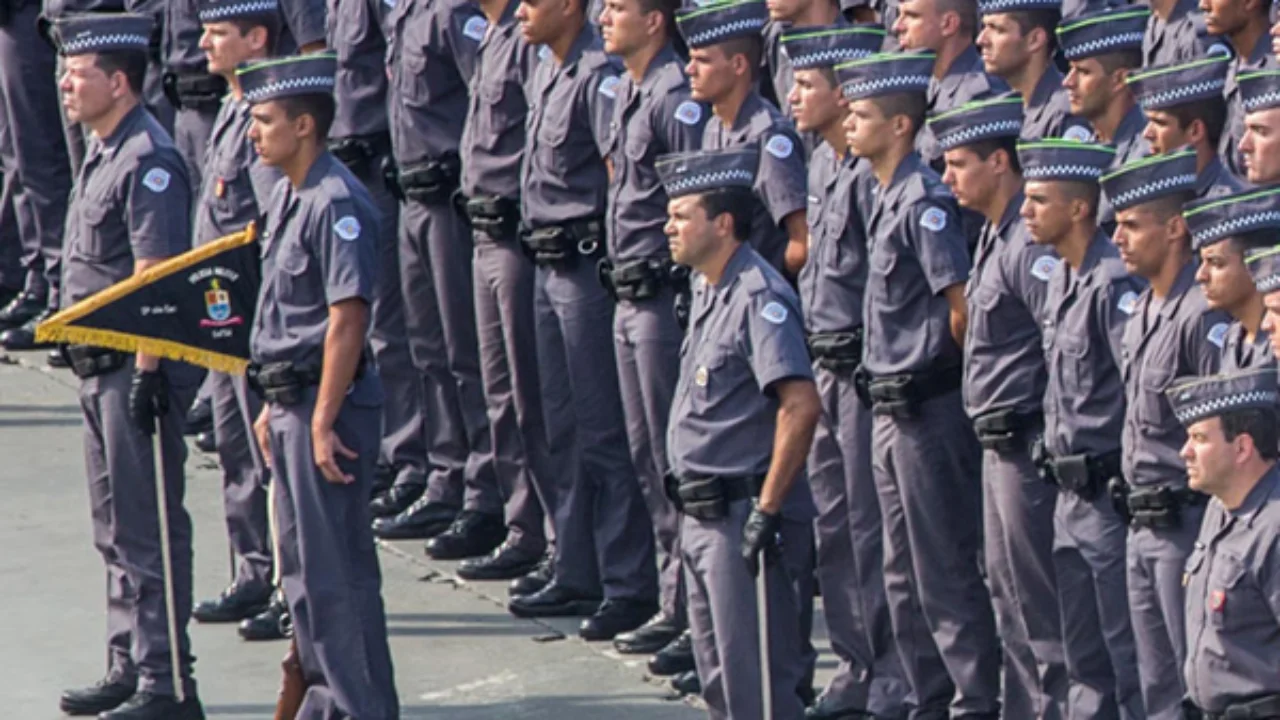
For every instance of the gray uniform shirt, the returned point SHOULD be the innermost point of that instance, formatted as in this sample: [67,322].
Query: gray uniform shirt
[1130,146]
[834,279]
[1233,601]
[431,56]
[1179,39]
[1048,113]
[1086,311]
[54,9]
[132,201]
[570,108]
[965,80]
[1240,354]
[1215,181]
[236,187]
[1233,129]
[319,247]
[1180,337]
[917,250]
[355,32]
[1003,359]
[780,182]
[654,117]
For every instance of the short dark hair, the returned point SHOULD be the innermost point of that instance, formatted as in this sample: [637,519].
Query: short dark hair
[1167,206]
[668,9]
[738,202]
[1210,111]
[752,46]
[968,12]
[1258,424]
[1046,19]
[321,108]
[984,148]
[133,63]
[1126,59]
[913,105]
[1089,192]
[267,21]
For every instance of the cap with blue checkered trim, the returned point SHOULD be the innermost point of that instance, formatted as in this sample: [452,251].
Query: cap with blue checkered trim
[1264,267]
[1151,178]
[1105,31]
[309,74]
[1212,220]
[696,172]
[1063,160]
[830,46]
[212,11]
[1198,398]
[995,7]
[979,120]
[886,74]
[102,32]
[1166,86]
[721,21]
[1259,89]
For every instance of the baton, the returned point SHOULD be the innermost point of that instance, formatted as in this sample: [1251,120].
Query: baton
[762,617]
[166,558]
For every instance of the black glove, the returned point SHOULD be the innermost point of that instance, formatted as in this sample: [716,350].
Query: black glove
[760,534]
[148,399]
[862,386]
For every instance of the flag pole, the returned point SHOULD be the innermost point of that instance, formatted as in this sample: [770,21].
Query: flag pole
[166,558]
[762,618]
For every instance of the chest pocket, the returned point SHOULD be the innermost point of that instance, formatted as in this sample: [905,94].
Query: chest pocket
[102,236]
[348,24]
[1232,601]
[299,284]
[715,377]
[557,116]
[495,87]
[413,76]
[886,271]
[1074,361]
[1156,375]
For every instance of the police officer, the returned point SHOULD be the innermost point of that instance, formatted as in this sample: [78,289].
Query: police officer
[1243,25]
[741,424]
[790,17]
[1102,48]
[1264,266]
[1184,107]
[1089,301]
[1172,332]
[925,458]
[1232,579]
[234,193]
[194,92]
[1223,230]
[1260,145]
[653,115]
[1003,392]
[1017,43]
[724,56]
[130,210]
[1176,33]
[319,425]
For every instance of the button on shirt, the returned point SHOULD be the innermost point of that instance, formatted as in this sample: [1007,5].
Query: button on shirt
[1086,311]
[654,117]
[1179,337]
[570,108]
[354,32]
[834,279]
[237,187]
[780,183]
[318,249]
[1232,584]
[964,80]
[131,202]
[1004,362]
[917,251]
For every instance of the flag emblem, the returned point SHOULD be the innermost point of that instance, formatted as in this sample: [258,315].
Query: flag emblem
[217,302]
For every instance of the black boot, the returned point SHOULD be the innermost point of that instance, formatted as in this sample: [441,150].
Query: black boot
[149,706]
[104,695]
[648,638]
[473,534]
[273,623]
[236,603]
[675,658]
[422,521]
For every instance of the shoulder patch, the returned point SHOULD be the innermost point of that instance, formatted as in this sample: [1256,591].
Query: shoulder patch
[1128,302]
[935,219]
[1078,133]
[475,28]
[609,86]
[1218,334]
[780,146]
[1042,268]
[544,52]
[347,227]
[774,312]
[156,180]
[1218,48]
[689,112]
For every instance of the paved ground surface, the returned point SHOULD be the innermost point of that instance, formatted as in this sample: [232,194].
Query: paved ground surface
[458,654]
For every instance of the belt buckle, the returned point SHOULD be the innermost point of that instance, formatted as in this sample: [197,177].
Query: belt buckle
[588,247]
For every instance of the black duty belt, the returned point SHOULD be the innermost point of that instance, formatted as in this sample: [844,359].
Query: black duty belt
[1007,431]
[358,152]
[87,361]
[1085,475]
[283,383]
[707,497]
[1265,708]
[1160,507]
[194,91]
[497,217]
[839,352]
[637,280]
[433,181]
[902,395]
[564,243]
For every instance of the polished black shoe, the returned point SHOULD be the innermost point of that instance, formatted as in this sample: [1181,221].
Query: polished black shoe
[650,637]
[504,563]
[396,500]
[422,521]
[553,601]
[472,534]
[56,360]
[616,616]
[102,696]
[24,338]
[236,603]
[19,310]
[384,476]
[675,658]
[822,710]
[199,417]
[534,580]
[207,442]
[687,683]
[273,623]
[149,706]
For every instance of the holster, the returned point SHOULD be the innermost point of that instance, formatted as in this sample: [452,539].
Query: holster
[1006,431]
[637,280]
[433,181]
[495,216]
[838,352]
[901,396]
[193,91]
[1160,508]
[87,361]
[391,178]
[682,306]
[707,497]
[358,152]
[562,244]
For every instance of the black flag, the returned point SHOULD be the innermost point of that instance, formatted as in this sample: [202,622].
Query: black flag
[196,307]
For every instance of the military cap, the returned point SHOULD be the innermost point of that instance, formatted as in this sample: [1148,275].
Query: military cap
[886,74]
[1059,159]
[220,10]
[829,46]
[1199,398]
[978,120]
[1151,178]
[1165,86]
[1104,31]
[995,7]
[103,32]
[690,173]
[1264,266]
[720,21]
[1259,89]
[309,74]
[1212,220]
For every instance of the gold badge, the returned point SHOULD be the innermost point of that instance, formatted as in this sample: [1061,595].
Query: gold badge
[220,188]
[700,376]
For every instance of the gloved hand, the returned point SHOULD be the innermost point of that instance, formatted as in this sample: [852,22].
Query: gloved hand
[760,535]
[148,399]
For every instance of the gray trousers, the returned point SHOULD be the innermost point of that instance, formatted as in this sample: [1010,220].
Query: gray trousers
[504,280]
[646,339]
[850,558]
[1156,560]
[1088,559]
[33,155]
[120,463]
[1018,510]
[191,130]
[604,535]
[329,565]
[244,479]
[928,477]
[723,618]
[439,315]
